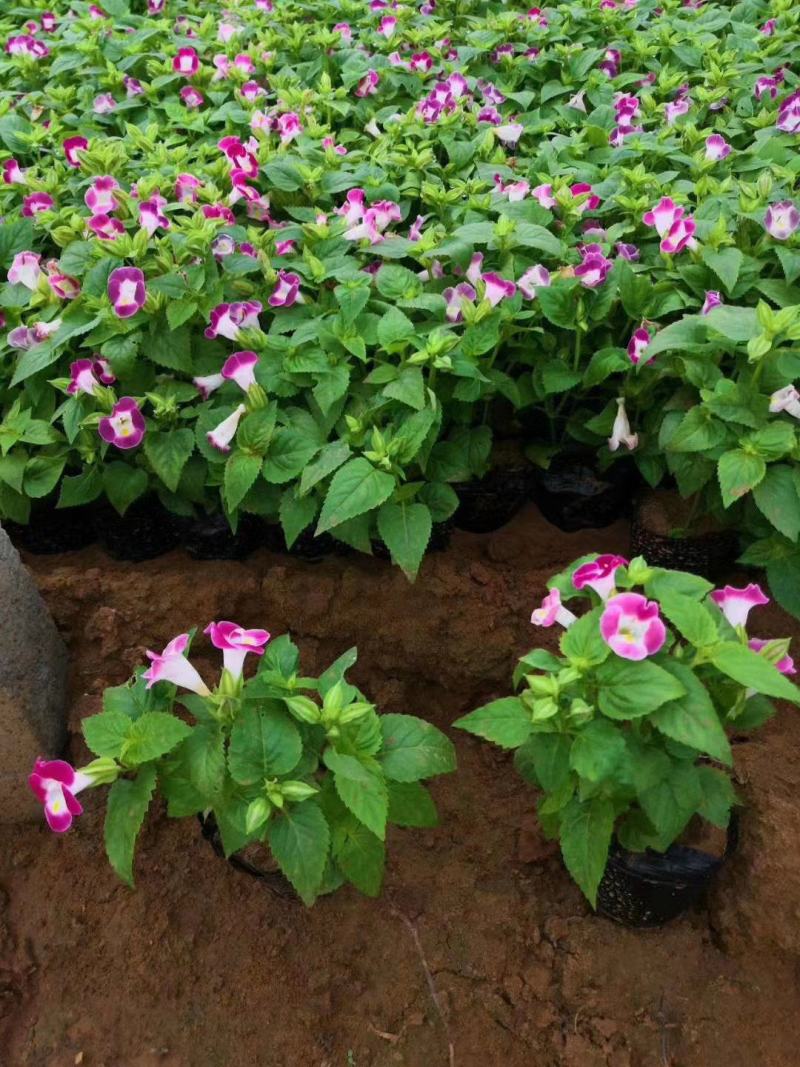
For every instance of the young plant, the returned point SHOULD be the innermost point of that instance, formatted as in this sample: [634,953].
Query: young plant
[625,731]
[304,766]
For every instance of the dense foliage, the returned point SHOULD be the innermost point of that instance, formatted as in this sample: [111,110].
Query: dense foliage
[299,259]
[625,731]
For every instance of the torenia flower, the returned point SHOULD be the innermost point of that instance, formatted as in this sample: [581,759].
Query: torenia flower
[785,664]
[63,285]
[236,643]
[221,436]
[497,288]
[552,610]
[126,291]
[56,783]
[25,269]
[173,666]
[133,87]
[36,202]
[594,268]
[192,97]
[227,320]
[782,220]
[240,368]
[788,120]
[736,604]
[536,277]
[13,174]
[675,108]
[680,236]
[625,251]
[631,626]
[99,197]
[599,574]
[208,384]
[185,188]
[82,379]
[73,146]
[513,191]
[286,291]
[509,132]
[638,343]
[125,426]
[713,300]
[663,216]
[289,126]
[103,104]
[151,214]
[786,399]
[368,85]
[186,62]
[717,147]
[388,25]
[106,227]
[455,299]
[621,431]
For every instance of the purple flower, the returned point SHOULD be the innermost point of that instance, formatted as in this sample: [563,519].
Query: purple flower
[133,87]
[73,146]
[387,26]
[611,62]
[227,320]
[631,626]
[736,604]
[25,269]
[785,399]
[56,783]
[455,298]
[63,285]
[679,236]
[36,202]
[551,611]
[638,344]
[785,664]
[289,126]
[208,384]
[126,291]
[125,426]
[782,220]
[599,574]
[621,431]
[766,86]
[717,147]
[544,194]
[788,120]
[240,368]
[186,62]
[192,97]
[675,108]
[629,252]
[106,227]
[537,17]
[13,173]
[663,216]
[151,214]
[368,85]
[185,186]
[768,29]
[712,300]
[497,288]
[593,269]
[99,197]
[286,291]
[221,436]
[536,277]
[104,103]
[171,665]
[82,379]
[236,643]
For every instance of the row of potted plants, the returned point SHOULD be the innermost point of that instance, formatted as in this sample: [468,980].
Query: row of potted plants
[315,266]
[625,733]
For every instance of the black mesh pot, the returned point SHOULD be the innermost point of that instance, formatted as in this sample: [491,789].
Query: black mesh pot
[573,494]
[710,555]
[273,880]
[210,537]
[649,888]
[147,530]
[490,502]
[51,529]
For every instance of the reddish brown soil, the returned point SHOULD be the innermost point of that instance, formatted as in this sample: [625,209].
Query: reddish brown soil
[201,967]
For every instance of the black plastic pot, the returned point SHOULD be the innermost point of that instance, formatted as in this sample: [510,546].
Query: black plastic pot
[645,889]
[490,502]
[210,537]
[307,546]
[573,494]
[51,530]
[710,554]
[274,881]
[147,530]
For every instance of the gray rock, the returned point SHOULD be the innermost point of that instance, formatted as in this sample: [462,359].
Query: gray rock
[33,685]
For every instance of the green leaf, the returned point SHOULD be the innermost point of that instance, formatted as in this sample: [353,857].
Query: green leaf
[783,576]
[585,834]
[204,756]
[169,348]
[106,734]
[692,619]
[360,855]
[753,671]
[256,429]
[41,475]
[241,471]
[777,499]
[406,531]
[506,722]
[739,472]
[692,719]
[289,451]
[698,431]
[530,235]
[81,489]
[671,801]
[410,804]
[604,363]
[299,839]
[329,459]
[408,388]
[544,760]
[128,801]
[414,749]
[355,488]
[264,743]
[361,789]
[393,327]
[597,750]
[583,643]
[630,689]
[16,235]
[123,484]
[559,305]
[719,796]
[726,264]
[663,582]
[152,735]
[296,513]
[735,323]
[168,452]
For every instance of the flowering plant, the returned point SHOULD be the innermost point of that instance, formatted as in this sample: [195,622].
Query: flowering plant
[625,730]
[304,766]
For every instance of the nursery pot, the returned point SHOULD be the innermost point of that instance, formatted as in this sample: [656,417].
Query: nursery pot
[307,546]
[644,889]
[488,503]
[211,537]
[573,494]
[50,529]
[272,879]
[709,554]
[145,531]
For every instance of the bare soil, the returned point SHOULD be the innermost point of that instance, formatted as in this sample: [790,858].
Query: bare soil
[481,951]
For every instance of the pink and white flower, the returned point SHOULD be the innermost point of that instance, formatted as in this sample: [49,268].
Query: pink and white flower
[387,26]
[637,346]
[289,126]
[551,611]
[207,384]
[133,87]
[455,298]
[286,291]
[713,300]
[13,174]
[632,627]
[106,227]
[25,269]
[512,191]
[663,216]
[675,109]
[171,665]
[240,368]
[736,604]
[151,214]
[599,574]
[56,783]
[717,147]
[680,236]
[36,202]
[186,62]
[786,399]
[788,120]
[536,277]
[236,643]
[621,432]
[626,251]
[221,436]
[99,197]
[73,146]
[497,288]
[186,186]
[125,426]
[192,97]
[593,270]
[64,286]
[368,85]
[103,104]
[82,379]
[785,664]
[228,320]
[25,337]
[126,291]
[611,63]
[782,220]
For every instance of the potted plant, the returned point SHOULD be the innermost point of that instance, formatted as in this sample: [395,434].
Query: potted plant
[624,731]
[303,769]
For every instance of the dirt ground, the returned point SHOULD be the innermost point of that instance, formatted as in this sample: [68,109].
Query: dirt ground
[480,942]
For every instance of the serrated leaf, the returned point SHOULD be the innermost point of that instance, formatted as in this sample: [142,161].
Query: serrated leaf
[406,531]
[414,749]
[241,471]
[692,719]
[169,451]
[410,804]
[739,472]
[629,689]
[264,743]
[128,801]
[585,835]
[355,488]
[506,722]
[299,839]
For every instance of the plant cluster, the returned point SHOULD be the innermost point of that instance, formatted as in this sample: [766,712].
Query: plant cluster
[304,766]
[299,259]
[625,732]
